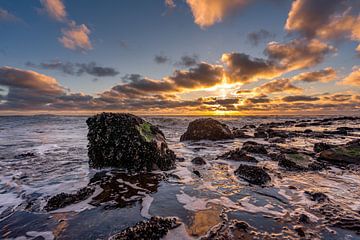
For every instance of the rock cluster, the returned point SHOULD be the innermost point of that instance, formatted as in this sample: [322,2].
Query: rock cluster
[154,229]
[127,141]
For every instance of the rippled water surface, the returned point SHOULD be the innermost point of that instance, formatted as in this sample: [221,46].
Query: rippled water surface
[42,156]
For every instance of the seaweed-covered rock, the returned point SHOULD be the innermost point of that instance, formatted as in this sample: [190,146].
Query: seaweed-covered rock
[321,146]
[254,147]
[342,155]
[298,162]
[127,141]
[154,229]
[206,129]
[253,174]
[65,199]
[198,161]
[238,155]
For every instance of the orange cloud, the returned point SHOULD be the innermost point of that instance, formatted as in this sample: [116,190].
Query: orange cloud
[299,53]
[324,75]
[55,9]
[353,78]
[208,12]
[279,85]
[76,37]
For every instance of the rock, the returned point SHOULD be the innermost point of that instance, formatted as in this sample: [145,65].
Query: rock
[342,155]
[308,131]
[127,141]
[206,129]
[278,133]
[198,161]
[253,174]
[254,147]
[154,229]
[240,134]
[238,155]
[197,173]
[260,133]
[317,196]
[320,146]
[337,132]
[250,126]
[65,199]
[298,162]
[277,140]
[299,231]
[25,155]
[303,218]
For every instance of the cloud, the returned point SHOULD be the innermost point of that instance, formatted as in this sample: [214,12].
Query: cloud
[301,98]
[324,75]
[76,69]
[188,61]
[298,53]
[242,68]
[76,37]
[170,3]
[208,12]
[161,59]
[6,16]
[353,78]
[55,9]
[324,19]
[256,37]
[279,85]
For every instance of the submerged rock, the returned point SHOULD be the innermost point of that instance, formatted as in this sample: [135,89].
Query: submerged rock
[198,161]
[342,155]
[65,199]
[254,147]
[298,162]
[253,174]
[206,129]
[154,229]
[238,155]
[127,141]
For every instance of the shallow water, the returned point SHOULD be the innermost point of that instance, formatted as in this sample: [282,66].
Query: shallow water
[58,163]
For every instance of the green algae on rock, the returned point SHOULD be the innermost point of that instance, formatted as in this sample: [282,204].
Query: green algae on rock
[298,162]
[127,141]
[342,155]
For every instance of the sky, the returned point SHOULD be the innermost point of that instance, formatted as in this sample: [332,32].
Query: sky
[181,57]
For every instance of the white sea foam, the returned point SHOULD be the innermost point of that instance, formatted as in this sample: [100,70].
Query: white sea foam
[146,203]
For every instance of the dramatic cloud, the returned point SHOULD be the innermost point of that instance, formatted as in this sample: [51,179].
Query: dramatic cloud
[55,9]
[77,69]
[256,37]
[76,37]
[299,53]
[353,78]
[6,16]
[326,19]
[160,59]
[242,68]
[301,98]
[324,75]
[208,12]
[279,85]
[188,61]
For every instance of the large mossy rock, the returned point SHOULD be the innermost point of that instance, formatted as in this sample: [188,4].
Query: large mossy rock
[206,129]
[127,141]
[342,155]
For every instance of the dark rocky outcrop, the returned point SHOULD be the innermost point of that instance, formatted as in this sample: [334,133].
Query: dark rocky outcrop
[238,155]
[206,129]
[253,174]
[65,199]
[154,229]
[127,141]
[317,196]
[198,161]
[237,133]
[254,147]
[342,155]
[298,162]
